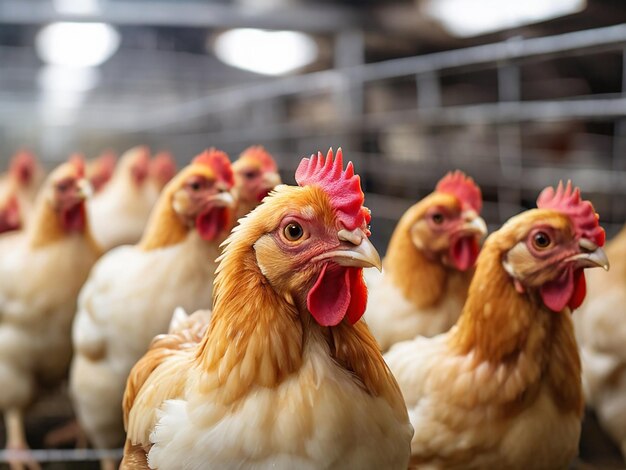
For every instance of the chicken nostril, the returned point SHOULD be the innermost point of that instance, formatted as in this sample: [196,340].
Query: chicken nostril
[587,245]
[355,237]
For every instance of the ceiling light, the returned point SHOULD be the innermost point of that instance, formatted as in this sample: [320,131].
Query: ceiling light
[56,78]
[467,18]
[77,44]
[265,52]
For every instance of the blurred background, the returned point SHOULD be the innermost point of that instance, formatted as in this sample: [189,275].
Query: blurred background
[517,94]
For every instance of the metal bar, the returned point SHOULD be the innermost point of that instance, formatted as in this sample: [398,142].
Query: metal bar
[349,52]
[317,18]
[618,157]
[509,141]
[577,42]
[428,90]
[492,113]
[60,455]
[606,107]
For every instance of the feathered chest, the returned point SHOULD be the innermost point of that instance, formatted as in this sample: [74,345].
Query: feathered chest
[319,417]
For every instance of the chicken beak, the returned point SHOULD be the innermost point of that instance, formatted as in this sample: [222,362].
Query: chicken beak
[222,199]
[85,190]
[592,257]
[271,180]
[355,251]
[474,224]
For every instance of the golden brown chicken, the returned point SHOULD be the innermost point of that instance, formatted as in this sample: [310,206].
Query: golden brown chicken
[286,375]
[502,388]
[255,176]
[41,271]
[429,264]
[132,291]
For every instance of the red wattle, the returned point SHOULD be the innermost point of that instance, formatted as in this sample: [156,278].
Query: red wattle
[557,294]
[580,289]
[74,218]
[358,295]
[211,222]
[464,252]
[339,292]
[261,194]
[329,299]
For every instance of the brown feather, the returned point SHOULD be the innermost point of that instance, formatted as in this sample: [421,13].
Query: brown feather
[357,351]
[135,457]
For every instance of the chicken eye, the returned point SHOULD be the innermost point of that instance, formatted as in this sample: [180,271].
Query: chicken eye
[541,240]
[62,187]
[293,231]
[196,184]
[437,218]
[250,175]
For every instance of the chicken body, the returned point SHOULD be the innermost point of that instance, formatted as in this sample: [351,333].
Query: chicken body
[428,266]
[392,317]
[18,190]
[37,310]
[132,292]
[128,300]
[333,425]
[601,331]
[502,388]
[119,213]
[268,386]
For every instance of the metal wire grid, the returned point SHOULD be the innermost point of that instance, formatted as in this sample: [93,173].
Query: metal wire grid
[234,117]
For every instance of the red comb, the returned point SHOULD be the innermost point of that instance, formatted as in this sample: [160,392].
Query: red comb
[107,161]
[343,186]
[163,167]
[463,188]
[259,153]
[582,214]
[22,165]
[217,161]
[78,162]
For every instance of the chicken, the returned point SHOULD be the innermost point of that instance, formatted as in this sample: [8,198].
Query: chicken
[429,264]
[502,388]
[41,271]
[601,331]
[18,189]
[255,176]
[285,376]
[162,170]
[119,213]
[133,290]
[100,170]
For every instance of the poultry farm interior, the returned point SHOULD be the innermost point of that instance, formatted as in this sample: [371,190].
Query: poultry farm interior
[149,99]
